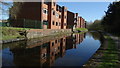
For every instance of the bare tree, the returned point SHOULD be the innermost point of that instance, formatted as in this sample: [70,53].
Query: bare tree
[15,9]
[4,8]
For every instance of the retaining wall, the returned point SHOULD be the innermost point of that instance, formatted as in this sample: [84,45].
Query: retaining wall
[35,33]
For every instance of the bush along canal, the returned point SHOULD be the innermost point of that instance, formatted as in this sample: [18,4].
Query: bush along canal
[73,50]
[107,56]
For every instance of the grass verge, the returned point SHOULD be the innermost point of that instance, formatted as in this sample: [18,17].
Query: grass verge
[109,59]
[11,33]
[81,29]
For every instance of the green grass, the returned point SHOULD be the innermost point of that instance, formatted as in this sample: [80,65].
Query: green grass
[11,37]
[81,29]
[11,33]
[109,58]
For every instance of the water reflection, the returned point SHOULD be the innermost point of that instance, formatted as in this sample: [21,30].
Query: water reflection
[63,51]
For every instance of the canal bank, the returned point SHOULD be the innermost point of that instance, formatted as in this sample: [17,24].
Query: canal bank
[36,33]
[108,55]
[10,34]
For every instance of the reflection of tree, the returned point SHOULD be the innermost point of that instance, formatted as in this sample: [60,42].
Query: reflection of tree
[95,35]
[98,36]
[20,44]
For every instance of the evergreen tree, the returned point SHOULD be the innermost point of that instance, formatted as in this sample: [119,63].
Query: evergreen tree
[111,21]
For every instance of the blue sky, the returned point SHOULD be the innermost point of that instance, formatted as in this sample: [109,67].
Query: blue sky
[90,11]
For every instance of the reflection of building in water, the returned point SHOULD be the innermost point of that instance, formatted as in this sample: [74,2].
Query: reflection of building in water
[45,54]
[74,40]
[63,46]
[56,50]
[70,42]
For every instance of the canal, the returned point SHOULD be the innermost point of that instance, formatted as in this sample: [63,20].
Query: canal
[68,50]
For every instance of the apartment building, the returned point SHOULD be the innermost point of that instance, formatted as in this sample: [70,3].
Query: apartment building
[53,15]
[64,18]
[82,23]
[76,21]
[46,15]
[79,22]
[49,14]
[70,20]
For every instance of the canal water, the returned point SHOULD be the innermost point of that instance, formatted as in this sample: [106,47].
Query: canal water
[68,50]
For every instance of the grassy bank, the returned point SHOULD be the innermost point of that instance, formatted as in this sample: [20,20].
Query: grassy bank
[110,57]
[81,29]
[106,56]
[11,33]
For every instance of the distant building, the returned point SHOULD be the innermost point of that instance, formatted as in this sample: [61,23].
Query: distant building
[82,23]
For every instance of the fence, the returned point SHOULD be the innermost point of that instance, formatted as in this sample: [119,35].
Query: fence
[32,24]
[27,23]
[4,24]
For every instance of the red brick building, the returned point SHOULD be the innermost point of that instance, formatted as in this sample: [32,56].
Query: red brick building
[70,20]
[46,15]
[82,23]
[50,15]
[74,21]
[64,18]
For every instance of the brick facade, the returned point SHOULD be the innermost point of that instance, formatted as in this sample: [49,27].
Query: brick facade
[50,14]
[70,20]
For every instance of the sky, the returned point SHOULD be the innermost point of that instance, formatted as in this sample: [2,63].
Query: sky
[90,11]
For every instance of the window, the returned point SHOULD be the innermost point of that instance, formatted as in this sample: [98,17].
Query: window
[65,10]
[59,40]
[57,8]
[65,16]
[53,12]
[75,16]
[46,2]
[54,3]
[65,24]
[64,40]
[60,9]
[52,53]
[57,15]
[45,11]
[55,41]
[52,43]
[53,23]
[58,48]
[56,23]
[45,22]
[59,24]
